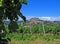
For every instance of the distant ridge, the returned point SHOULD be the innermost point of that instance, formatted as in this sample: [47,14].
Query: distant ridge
[35,20]
[32,21]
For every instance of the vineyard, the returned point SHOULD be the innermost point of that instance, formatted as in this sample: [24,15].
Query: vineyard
[30,34]
[33,31]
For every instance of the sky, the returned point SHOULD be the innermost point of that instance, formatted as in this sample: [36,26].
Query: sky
[43,9]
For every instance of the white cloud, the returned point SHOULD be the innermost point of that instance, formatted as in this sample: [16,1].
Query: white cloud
[47,18]
[57,18]
[50,18]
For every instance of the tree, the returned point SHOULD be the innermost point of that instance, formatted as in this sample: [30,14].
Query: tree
[10,9]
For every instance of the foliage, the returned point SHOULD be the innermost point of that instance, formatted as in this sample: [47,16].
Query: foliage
[10,9]
[37,32]
[50,28]
[32,37]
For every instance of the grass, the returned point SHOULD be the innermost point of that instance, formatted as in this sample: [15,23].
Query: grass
[36,41]
[16,38]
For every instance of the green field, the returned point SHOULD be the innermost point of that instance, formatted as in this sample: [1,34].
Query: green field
[16,38]
[35,34]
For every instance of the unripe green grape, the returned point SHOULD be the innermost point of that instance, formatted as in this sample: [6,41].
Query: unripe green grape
[1,2]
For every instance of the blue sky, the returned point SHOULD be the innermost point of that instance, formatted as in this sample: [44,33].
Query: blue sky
[41,8]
